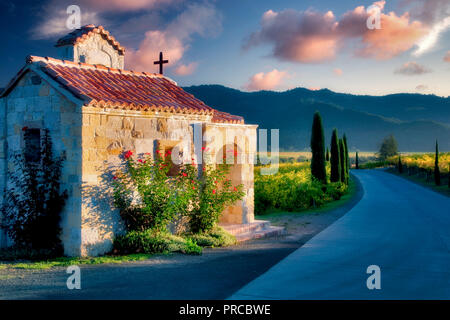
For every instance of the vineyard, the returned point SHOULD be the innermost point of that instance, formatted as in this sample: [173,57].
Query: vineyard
[293,189]
[423,162]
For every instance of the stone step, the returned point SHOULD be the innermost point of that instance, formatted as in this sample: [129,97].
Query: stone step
[270,231]
[237,229]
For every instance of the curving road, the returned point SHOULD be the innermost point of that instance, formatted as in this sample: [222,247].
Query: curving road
[399,226]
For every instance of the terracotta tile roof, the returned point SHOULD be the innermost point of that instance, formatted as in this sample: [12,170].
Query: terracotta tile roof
[83,33]
[99,86]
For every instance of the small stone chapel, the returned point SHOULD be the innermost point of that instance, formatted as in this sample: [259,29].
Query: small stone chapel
[94,111]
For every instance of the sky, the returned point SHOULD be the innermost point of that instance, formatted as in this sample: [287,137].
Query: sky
[359,47]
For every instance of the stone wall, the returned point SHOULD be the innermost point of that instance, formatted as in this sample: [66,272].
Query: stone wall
[33,103]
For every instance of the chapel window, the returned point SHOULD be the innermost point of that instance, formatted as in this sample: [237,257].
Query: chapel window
[32,144]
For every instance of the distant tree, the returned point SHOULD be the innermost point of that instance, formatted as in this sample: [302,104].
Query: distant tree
[356,161]
[437,173]
[335,158]
[327,155]
[343,161]
[400,164]
[347,158]
[389,147]
[318,149]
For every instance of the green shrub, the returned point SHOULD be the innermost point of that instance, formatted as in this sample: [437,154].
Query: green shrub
[148,198]
[217,237]
[191,247]
[213,192]
[151,241]
[293,189]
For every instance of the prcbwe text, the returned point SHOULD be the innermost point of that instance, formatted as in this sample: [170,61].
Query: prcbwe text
[228,309]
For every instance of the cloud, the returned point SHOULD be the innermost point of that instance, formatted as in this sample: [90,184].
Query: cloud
[338,71]
[422,87]
[174,40]
[447,56]
[311,37]
[55,24]
[121,5]
[266,81]
[430,40]
[297,36]
[412,69]
[53,15]
[185,70]
[397,35]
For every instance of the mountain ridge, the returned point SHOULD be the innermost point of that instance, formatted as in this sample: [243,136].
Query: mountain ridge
[365,119]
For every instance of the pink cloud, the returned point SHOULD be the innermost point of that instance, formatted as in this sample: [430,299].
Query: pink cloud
[266,81]
[155,41]
[412,69]
[185,70]
[174,40]
[310,36]
[338,71]
[121,5]
[447,57]
[396,36]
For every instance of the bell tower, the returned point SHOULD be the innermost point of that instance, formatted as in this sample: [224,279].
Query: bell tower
[92,45]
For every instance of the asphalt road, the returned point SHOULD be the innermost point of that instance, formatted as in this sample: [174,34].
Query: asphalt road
[401,227]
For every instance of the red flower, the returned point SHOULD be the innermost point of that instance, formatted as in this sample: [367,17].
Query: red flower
[193,188]
[140,160]
[235,189]
[24,128]
[168,152]
[214,191]
[115,178]
[128,154]
[184,174]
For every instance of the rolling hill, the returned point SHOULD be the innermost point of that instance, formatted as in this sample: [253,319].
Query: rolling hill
[415,120]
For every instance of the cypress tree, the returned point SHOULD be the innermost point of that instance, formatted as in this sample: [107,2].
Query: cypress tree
[356,161]
[335,158]
[437,173]
[327,155]
[347,159]
[343,161]
[318,149]
[400,164]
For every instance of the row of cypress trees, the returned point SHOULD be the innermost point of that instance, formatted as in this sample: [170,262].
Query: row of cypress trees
[339,159]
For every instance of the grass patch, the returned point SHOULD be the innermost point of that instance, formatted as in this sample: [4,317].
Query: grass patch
[218,237]
[68,261]
[150,241]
